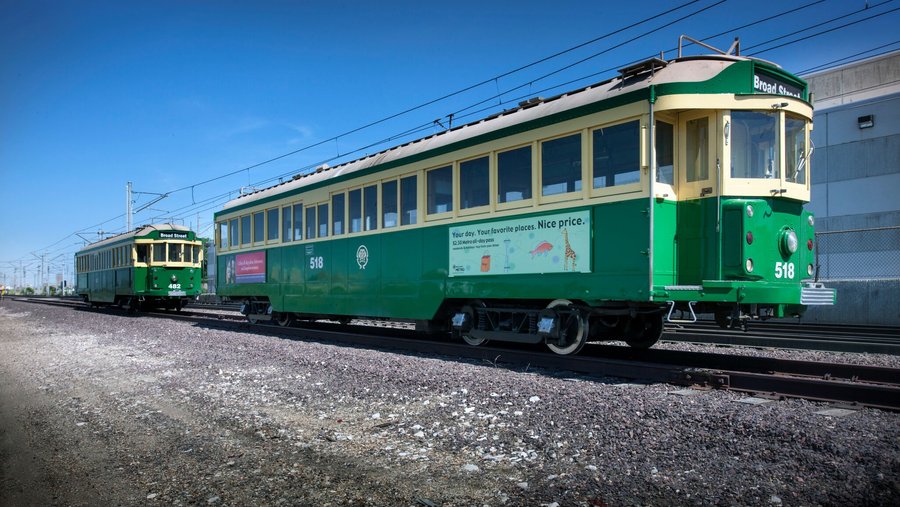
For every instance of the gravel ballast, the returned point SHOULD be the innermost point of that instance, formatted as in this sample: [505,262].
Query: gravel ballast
[104,408]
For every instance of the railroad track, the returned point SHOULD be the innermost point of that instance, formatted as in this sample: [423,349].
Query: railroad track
[846,384]
[792,335]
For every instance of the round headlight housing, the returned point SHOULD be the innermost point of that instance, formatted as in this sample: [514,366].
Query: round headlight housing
[789,242]
[749,265]
[750,211]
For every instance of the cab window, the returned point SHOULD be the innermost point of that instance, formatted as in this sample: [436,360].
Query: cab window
[795,149]
[754,149]
[142,253]
[665,152]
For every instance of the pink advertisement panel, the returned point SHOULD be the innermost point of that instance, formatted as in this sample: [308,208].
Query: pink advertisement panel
[250,267]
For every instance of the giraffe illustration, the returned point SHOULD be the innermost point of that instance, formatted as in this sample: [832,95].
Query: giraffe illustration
[569,252]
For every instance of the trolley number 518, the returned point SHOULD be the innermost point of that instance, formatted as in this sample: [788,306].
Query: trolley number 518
[784,270]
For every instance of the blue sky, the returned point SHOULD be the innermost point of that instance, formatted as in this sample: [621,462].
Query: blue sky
[167,94]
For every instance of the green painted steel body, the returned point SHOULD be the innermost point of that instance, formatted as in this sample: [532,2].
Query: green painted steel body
[406,275]
[700,246]
[702,252]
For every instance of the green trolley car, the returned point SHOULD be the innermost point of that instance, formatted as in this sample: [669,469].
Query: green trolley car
[672,190]
[151,266]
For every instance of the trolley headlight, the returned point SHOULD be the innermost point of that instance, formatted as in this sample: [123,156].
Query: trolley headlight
[174,278]
[811,220]
[810,270]
[750,211]
[749,265]
[789,242]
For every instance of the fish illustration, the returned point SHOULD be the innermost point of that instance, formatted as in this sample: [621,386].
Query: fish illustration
[541,249]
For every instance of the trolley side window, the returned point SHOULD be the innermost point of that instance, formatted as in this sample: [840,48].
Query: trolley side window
[665,152]
[561,165]
[272,224]
[337,214]
[408,200]
[514,175]
[389,204]
[188,254]
[311,222]
[322,219]
[440,190]
[223,235]
[355,206]
[298,222]
[617,155]
[174,252]
[286,227]
[474,183]
[233,232]
[245,230]
[259,226]
[370,207]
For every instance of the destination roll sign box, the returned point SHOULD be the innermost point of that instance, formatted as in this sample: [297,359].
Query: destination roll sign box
[173,235]
[767,84]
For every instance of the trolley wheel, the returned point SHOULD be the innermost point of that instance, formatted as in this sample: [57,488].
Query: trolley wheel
[573,328]
[643,332]
[472,310]
[253,319]
[723,318]
[284,319]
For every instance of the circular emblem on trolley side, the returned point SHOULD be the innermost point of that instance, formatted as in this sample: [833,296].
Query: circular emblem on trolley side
[362,256]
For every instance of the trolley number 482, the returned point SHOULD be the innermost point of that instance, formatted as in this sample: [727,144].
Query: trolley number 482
[784,270]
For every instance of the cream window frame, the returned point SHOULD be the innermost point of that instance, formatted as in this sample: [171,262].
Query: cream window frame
[495,179]
[574,195]
[694,189]
[643,160]
[457,188]
[423,188]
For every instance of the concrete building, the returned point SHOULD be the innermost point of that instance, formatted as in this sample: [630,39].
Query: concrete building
[856,189]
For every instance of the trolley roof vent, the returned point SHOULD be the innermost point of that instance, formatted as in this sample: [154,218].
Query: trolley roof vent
[650,65]
[322,167]
[533,101]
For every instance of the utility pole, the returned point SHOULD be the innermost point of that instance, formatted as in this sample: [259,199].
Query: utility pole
[128,208]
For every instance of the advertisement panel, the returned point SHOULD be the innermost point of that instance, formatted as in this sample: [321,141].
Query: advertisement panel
[553,243]
[249,268]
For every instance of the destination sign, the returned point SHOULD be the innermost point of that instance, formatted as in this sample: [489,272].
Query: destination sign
[768,84]
[173,235]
